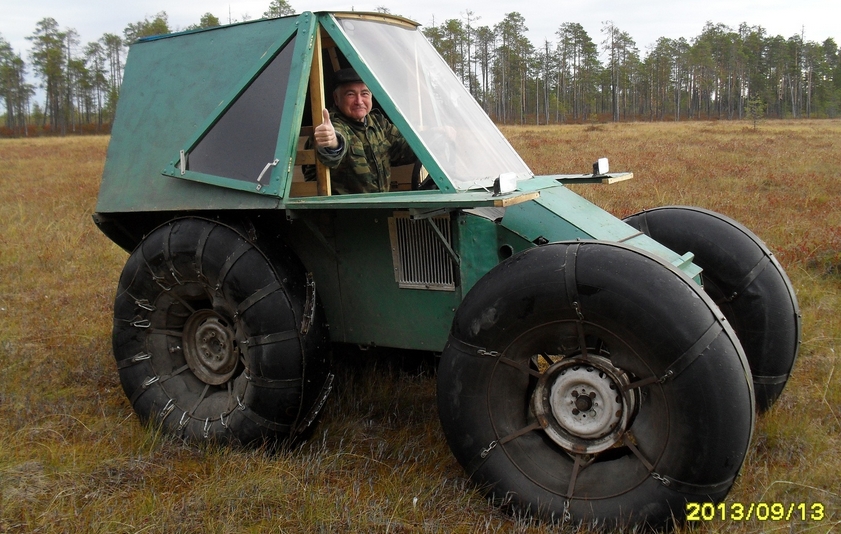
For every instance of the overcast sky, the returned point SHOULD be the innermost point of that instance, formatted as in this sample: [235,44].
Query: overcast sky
[644,20]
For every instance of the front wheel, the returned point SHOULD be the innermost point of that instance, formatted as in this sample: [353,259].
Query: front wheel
[213,340]
[592,382]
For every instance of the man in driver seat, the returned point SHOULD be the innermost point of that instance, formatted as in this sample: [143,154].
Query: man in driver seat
[357,143]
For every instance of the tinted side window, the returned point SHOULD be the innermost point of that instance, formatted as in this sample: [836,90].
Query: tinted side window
[244,139]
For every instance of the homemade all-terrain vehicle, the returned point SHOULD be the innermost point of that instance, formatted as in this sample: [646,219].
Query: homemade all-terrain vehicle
[591,369]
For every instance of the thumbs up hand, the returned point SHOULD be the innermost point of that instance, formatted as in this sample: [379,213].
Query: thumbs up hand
[324,133]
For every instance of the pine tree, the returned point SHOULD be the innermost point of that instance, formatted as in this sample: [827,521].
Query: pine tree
[14,91]
[159,25]
[278,8]
[48,61]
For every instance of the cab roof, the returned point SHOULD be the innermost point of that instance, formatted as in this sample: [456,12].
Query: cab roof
[227,107]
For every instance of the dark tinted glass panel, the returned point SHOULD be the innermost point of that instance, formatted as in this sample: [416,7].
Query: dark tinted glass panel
[244,139]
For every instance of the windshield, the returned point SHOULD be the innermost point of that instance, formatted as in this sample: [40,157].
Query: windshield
[454,128]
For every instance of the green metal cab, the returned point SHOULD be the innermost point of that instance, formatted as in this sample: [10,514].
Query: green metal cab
[228,107]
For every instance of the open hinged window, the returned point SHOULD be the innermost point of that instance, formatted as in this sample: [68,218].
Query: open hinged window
[452,136]
[331,53]
[450,132]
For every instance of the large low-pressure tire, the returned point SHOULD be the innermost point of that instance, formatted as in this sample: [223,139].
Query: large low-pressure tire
[591,382]
[745,280]
[215,341]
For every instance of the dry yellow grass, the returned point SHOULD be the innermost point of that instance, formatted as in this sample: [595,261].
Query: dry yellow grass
[73,457]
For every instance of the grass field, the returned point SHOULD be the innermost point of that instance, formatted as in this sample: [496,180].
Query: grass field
[73,457]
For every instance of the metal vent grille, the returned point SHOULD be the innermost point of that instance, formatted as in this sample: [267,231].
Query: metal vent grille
[421,259]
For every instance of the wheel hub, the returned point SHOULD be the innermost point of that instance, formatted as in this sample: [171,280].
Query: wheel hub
[583,403]
[209,347]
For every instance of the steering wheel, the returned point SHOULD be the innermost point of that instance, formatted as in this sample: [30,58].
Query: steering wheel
[421,180]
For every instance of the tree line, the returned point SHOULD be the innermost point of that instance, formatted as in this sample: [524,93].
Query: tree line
[723,73]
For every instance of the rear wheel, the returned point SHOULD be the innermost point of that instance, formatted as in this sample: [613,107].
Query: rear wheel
[591,382]
[215,341]
[745,281]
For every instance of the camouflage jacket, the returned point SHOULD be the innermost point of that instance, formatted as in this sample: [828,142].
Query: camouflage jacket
[367,151]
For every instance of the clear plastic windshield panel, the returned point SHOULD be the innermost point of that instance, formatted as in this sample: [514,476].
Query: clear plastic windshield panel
[457,132]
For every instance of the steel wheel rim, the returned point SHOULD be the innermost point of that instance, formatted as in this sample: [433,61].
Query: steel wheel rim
[584,404]
[209,347]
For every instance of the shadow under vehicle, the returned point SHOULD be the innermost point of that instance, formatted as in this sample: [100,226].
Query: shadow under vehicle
[591,368]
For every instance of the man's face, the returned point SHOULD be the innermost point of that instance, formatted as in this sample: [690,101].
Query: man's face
[353,100]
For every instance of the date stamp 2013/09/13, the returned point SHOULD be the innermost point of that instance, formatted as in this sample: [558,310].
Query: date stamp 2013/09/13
[755,511]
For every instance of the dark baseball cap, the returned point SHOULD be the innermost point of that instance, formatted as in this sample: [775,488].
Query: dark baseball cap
[347,75]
